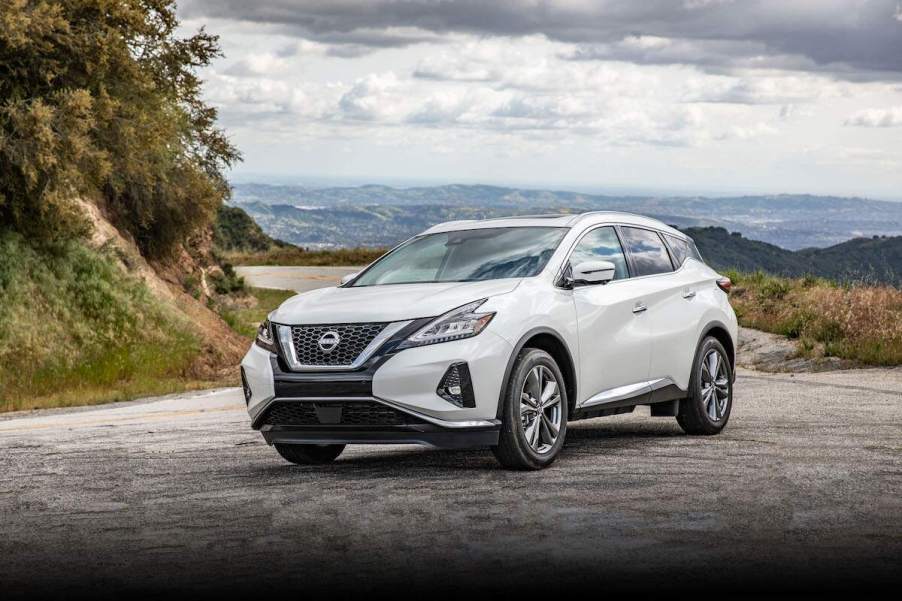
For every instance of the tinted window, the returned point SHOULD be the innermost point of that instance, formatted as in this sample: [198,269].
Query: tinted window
[682,249]
[467,255]
[601,244]
[647,251]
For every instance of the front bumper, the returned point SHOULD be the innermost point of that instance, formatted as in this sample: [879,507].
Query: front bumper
[404,382]
[428,434]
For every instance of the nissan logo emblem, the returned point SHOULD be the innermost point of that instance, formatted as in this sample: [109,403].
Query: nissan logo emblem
[328,341]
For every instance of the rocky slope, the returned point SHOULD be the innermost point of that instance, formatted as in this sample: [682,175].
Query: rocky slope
[193,267]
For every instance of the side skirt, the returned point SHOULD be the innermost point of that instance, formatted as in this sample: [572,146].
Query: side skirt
[662,396]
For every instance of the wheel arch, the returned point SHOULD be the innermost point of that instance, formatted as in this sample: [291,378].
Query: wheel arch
[552,343]
[719,331]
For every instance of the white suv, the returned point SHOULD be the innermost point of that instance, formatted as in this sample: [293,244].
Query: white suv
[497,333]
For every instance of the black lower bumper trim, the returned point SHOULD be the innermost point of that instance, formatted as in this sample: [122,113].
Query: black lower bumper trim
[435,436]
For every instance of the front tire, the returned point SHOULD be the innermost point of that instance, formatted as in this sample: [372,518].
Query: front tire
[707,408]
[309,454]
[534,416]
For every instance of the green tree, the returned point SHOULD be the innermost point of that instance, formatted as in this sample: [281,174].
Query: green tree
[100,98]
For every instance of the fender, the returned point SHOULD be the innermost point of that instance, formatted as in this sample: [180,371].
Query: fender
[519,347]
[719,324]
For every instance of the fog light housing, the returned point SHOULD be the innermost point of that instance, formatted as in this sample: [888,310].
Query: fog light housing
[456,387]
[246,388]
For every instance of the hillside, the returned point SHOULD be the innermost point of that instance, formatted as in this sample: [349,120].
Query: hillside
[91,320]
[235,231]
[725,250]
[111,172]
[869,259]
[861,259]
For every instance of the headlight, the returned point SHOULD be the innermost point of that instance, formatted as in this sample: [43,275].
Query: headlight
[265,338]
[462,322]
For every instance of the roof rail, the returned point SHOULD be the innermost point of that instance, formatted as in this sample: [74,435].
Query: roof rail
[536,216]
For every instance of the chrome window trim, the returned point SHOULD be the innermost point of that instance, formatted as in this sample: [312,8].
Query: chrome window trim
[616,225]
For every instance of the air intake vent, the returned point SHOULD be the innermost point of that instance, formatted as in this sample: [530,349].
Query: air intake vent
[336,413]
[456,386]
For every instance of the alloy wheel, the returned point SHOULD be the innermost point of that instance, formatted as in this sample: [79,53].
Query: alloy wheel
[540,409]
[715,385]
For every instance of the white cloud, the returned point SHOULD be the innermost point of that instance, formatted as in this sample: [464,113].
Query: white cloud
[465,106]
[256,64]
[748,132]
[374,97]
[890,117]
[762,89]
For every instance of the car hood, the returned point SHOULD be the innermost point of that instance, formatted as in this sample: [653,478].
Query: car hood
[391,302]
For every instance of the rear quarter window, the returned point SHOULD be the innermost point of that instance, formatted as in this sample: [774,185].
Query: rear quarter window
[682,249]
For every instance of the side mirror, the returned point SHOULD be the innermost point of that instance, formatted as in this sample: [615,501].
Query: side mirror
[347,278]
[593,272]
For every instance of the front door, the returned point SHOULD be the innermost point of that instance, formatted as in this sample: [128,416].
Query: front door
[614,350]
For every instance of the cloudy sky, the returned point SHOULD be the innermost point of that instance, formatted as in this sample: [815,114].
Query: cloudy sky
[711,96]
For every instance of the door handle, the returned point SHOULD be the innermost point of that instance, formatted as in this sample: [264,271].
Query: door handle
[687,294]
[639,308]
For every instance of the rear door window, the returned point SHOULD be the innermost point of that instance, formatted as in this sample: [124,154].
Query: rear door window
[647,252]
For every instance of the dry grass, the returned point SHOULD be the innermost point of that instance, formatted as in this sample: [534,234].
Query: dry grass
[292,255]
[858,322]
[76,330]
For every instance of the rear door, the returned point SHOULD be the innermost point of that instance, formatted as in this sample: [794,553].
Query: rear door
[614,352]
[672,313]
[689,300]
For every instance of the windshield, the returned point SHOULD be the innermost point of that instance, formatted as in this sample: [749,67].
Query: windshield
[466,256]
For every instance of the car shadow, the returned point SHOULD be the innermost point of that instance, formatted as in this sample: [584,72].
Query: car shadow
[415,461]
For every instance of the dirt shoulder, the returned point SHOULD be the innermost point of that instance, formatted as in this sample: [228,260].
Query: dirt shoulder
[767,352]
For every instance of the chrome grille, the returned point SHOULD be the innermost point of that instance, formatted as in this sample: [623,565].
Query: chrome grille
[353,337]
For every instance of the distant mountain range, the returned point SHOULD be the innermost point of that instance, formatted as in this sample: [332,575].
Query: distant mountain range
[383,215]
[876,259]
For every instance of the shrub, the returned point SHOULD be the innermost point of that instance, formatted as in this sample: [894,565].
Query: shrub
[228,282]
[853,321]
[100,99]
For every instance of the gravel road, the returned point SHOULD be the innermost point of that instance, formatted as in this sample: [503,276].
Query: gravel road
[803,491]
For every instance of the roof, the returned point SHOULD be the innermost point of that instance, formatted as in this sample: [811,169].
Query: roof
[556,220]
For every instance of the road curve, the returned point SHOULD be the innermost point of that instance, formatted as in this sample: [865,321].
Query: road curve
[802,490]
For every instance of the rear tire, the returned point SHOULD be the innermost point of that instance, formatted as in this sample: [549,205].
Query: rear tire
[534,413]
[706,410]
[309,454]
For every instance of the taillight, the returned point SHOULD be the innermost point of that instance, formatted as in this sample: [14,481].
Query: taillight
[725,284]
